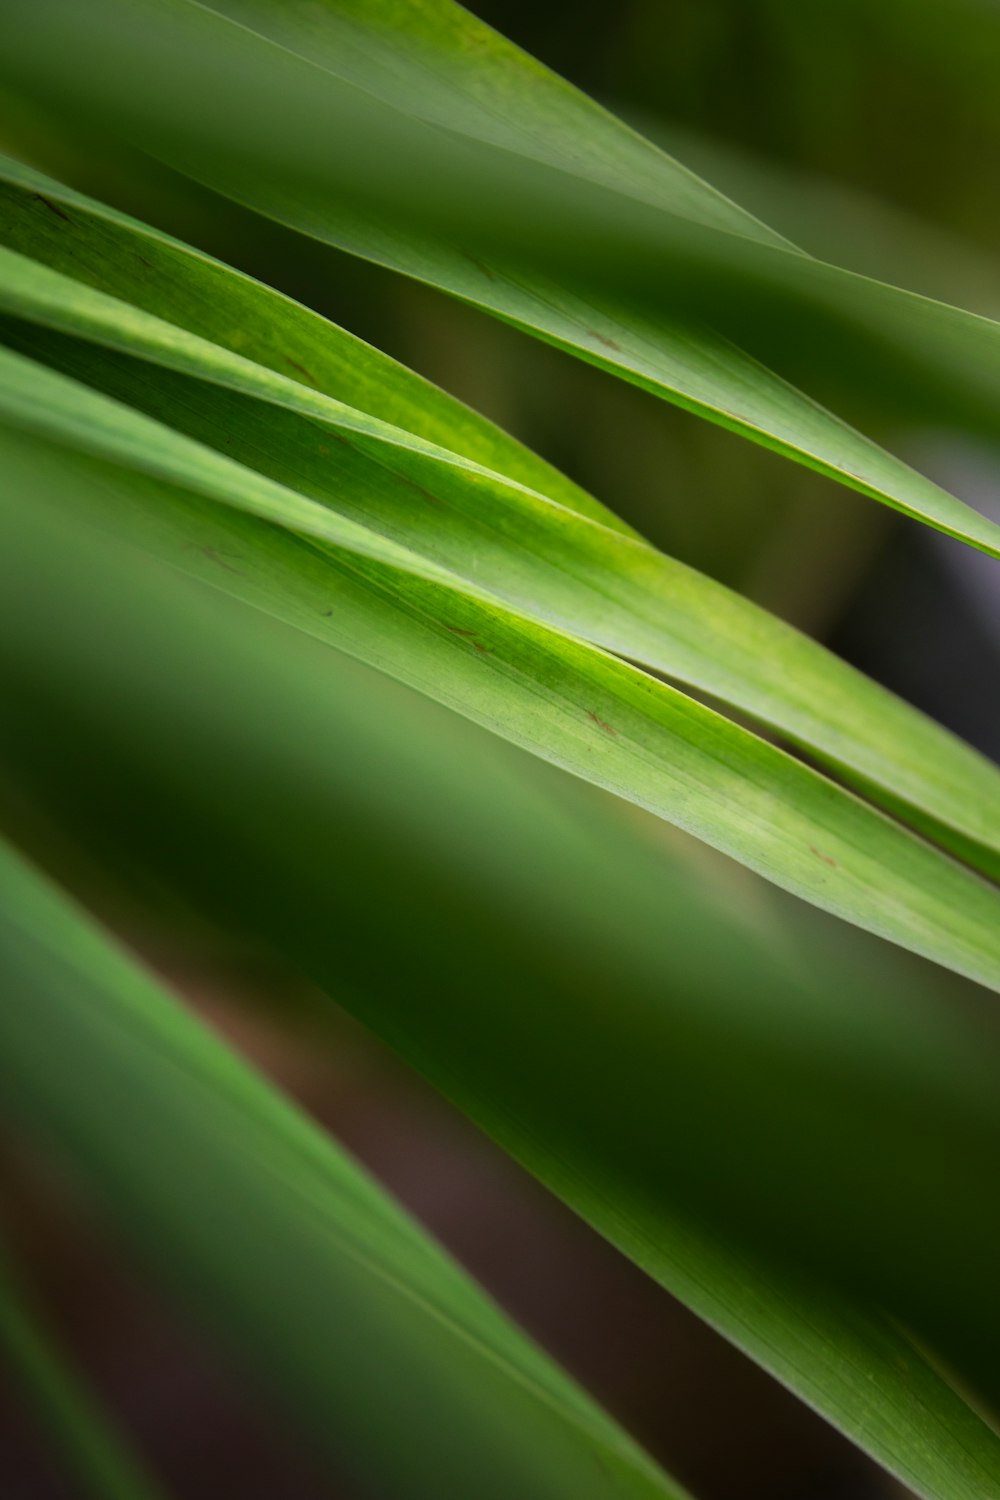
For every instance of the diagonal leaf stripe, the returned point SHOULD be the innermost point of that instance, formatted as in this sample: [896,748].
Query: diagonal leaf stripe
[112,252]
[567,701]
[331,75]
[537,555]
[88,1443]
[789,1127]
[299,1253]
[322,824]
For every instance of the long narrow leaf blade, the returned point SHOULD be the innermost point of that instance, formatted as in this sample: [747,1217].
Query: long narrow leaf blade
[396,1357]
[568,702]
[64,1408]
[516,544]
[112,252]
[327,810]
[267,124]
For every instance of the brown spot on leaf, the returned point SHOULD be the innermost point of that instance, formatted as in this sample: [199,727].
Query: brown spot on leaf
[53,208]
[213,555]
[824,857]
[602,723]
[602,338]
[419,489]
[470,636]
[480,265]
[302,370]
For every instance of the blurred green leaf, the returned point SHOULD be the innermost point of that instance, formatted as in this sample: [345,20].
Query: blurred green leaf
[610,1015]
[415,136]
[400,1363]
[65,1409]
[569,702]
[484,526]
[791,1128]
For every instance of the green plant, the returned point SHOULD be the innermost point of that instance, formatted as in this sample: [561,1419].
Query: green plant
[193,463]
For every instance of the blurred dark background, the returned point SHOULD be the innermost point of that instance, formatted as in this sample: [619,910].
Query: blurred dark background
[866,131]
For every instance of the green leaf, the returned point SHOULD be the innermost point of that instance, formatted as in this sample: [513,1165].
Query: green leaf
[78,1429]
[602,1008]
[398,1360]
[565,700]
[525,548]
[117,254]
[330,119]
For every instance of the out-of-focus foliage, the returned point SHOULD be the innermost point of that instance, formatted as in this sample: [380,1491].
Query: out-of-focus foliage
[791,1125]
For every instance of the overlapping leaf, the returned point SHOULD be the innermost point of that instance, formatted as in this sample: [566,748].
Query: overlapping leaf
[249,444]
[394,856]
[414,135]
[402,1366]
[566,700]
[536,543]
